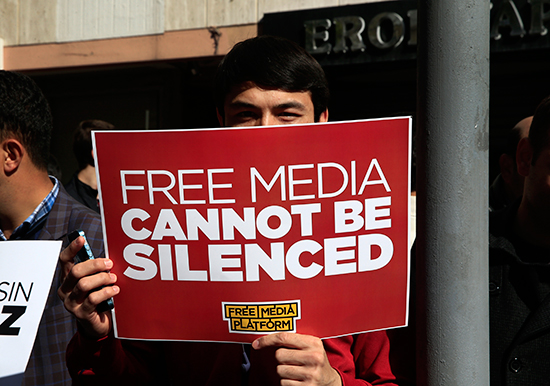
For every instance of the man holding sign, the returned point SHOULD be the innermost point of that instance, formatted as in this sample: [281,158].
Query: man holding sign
[263,81]
[34,206]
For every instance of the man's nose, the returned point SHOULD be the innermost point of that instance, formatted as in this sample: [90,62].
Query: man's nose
[268,119]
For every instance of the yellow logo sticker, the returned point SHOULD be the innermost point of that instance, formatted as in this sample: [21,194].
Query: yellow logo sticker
[254,318]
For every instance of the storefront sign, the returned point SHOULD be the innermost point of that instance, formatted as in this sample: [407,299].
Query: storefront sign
[374,32]
[384,31]
[229,234]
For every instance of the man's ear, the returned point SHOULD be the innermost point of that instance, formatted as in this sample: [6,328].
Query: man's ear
[12,155]
[324,116]
[524,155]
[220,118]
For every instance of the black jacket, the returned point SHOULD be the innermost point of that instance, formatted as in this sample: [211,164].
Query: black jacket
[519,286]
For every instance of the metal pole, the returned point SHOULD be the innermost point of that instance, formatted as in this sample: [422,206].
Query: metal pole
[452,237]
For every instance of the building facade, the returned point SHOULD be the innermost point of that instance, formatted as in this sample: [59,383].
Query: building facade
[135,63]
[148,64]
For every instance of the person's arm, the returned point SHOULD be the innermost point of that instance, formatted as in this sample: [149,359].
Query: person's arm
[110,361]
[94,356]
[363,359]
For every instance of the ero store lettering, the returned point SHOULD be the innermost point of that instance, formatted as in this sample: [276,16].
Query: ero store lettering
[206,234]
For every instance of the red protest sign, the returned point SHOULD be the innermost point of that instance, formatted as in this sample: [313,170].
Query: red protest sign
[228,234]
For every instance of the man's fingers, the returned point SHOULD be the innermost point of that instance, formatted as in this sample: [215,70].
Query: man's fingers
[84,287]
[82,275]
[91,283]
[68,254]
[290,372]
[313,356]
[285,339]
[78,294]
[96,297]
[291,357]
[85,296]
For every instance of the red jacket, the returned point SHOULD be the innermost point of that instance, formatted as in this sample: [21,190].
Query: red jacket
[362,359]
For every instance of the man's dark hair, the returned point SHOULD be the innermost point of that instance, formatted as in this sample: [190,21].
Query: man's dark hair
[82,140]
[25,115]
[271,62]
[540,128]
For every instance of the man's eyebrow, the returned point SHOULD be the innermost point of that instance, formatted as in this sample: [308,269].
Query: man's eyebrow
[284,105]
[241,104]
[291,105]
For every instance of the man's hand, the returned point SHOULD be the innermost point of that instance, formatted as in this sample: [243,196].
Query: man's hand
[301,358]
[77,290]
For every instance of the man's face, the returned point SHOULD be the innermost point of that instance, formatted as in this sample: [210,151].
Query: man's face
[513,179]
[537,183]
[250,105]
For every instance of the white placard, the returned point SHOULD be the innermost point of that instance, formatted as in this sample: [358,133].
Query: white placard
[26,274]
